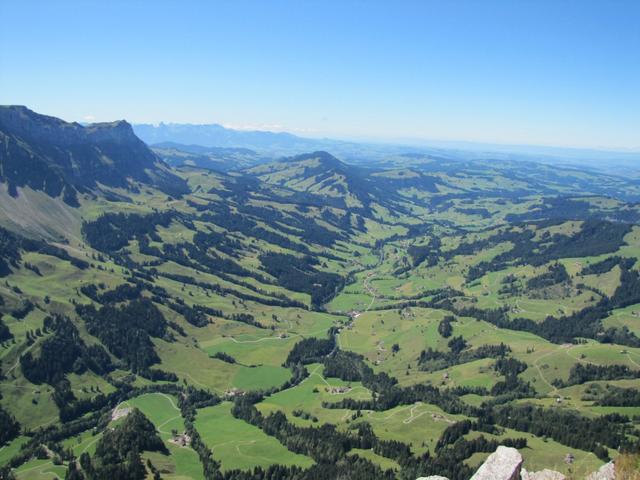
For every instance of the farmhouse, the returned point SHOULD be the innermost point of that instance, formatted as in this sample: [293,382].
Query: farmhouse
[233,392]
[181,439]
[337,390]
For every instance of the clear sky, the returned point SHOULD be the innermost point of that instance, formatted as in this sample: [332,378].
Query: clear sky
[537,72]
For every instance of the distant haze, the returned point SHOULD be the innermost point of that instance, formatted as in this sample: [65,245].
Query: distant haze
[282,144]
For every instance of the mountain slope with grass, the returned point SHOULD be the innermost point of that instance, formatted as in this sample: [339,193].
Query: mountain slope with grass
[308,318]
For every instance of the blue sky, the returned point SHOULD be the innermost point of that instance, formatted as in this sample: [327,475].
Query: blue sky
[528,72]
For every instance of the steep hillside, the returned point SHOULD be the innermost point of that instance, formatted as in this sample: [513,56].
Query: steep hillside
[60,158]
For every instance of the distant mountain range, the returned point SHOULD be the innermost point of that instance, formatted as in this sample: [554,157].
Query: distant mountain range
[61,158]
[279,144]
[214,135]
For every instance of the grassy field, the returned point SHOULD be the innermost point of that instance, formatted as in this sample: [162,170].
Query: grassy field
[40,470]
[309,395]
[383,462]
[10,449]
[625,317]
[544,453]
[161,409]
[237,444]
[419,425]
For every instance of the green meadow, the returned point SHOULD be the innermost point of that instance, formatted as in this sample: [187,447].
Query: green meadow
[236,444]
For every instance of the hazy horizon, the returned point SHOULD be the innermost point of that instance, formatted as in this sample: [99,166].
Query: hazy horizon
[545,73]
[398,142]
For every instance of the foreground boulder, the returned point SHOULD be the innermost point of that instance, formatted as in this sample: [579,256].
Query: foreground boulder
[503,464]
[506,464]
[545,474]
[606,472]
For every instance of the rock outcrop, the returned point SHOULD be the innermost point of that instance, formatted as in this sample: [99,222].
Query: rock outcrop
[503,464]
[545,474]
[506,464]
[606,472]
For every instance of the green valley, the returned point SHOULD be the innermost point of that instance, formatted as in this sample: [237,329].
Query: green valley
[307,318]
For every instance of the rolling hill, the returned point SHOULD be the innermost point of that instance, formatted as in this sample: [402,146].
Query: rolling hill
[221,159]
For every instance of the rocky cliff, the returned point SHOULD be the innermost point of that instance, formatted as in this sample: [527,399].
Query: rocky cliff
[61,158]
